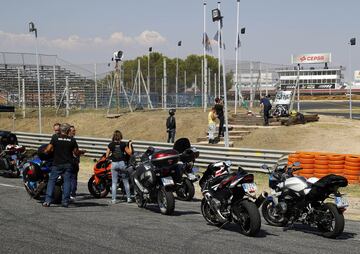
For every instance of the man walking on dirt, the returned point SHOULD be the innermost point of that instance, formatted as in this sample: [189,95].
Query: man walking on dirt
[265,102]
[63,148]
[171,126]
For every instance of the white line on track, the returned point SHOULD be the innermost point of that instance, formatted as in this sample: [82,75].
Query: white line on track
[12,186]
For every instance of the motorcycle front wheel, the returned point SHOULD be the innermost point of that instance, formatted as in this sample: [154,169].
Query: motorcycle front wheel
[57,194]
[247,217]
[269,213]
[186,191]
[166,201]
[99,190]
[139,198]
[331,222]
[208,214]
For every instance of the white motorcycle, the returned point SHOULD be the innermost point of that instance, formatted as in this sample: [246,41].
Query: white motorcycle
[297,199]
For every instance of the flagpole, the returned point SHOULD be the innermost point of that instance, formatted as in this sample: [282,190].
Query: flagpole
[236,53]
[219,55]
[205,62]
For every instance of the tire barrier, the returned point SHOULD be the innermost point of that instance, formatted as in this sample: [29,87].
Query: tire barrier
[319,164]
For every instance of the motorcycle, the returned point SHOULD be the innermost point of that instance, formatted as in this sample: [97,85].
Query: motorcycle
[230,197]
[297,199]
[100,183]
[185,175]
[36,176]
[280,111]
[153,181]
[11,159]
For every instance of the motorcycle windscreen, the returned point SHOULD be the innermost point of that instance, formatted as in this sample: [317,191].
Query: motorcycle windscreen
[181,145]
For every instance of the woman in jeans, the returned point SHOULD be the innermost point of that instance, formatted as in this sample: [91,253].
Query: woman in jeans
[116,152]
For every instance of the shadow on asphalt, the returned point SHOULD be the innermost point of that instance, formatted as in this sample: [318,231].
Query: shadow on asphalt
[235,228]
[312,230]
[194,200]
[156,209]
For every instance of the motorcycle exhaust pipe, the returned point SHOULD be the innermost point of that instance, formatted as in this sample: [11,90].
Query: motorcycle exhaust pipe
[261,198]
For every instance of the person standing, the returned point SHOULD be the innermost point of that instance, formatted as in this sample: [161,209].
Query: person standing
[76,166]
[219,108]
[56,128]
[171,126]
[265,103]
[116,152]
[63,148]
[212,125]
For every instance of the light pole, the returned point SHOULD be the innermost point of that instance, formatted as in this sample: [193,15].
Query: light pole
[148,76]
[33,29]
[352,43]
[216,17]
[177,75]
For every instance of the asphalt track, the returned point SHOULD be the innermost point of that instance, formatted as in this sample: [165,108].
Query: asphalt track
[94,226]
[332,108]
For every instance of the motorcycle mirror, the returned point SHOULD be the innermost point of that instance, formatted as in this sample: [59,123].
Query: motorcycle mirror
[296,164]
[227,163]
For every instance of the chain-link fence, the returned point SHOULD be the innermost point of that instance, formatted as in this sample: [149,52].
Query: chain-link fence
[97,86]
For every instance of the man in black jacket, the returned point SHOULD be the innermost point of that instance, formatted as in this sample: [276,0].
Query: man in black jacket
[171,126]
[219,108]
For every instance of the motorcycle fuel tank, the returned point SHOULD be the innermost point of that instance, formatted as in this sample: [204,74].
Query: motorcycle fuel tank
[295,183]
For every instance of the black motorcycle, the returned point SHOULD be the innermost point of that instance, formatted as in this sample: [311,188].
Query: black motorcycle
[152,178]
[297,199]
[185,173]
[230,197]
[11,159]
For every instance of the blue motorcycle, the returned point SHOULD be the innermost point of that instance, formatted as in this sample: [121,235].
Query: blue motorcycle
[36,176]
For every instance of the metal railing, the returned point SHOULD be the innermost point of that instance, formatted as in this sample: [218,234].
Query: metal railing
[249,159]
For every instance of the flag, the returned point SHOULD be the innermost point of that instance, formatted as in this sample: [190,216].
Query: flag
[217,38]
[238,43]
[150,49]
[353,41]
[243,30]
[207,43]
[179,43]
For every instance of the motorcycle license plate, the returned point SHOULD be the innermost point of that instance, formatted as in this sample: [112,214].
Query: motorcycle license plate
[341,202]
[191,177]
[249,187]
[167,181]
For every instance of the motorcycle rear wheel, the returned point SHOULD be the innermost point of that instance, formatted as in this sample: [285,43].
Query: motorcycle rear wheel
[57,194]
[186,191]
[268,210]
[332,223]
[208,214]
[248,217]
[99,190]
[166,201]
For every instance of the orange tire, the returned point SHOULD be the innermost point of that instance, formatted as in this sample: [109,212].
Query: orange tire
[319,175]
[336,157]
[336,162]
[306,161]
[353,158]
[321,162]
[351,168]
[307,171]
[352,177]
[293,155]
[307,156]
[339,172]
[307,175]
[321,171]
[332,166]
[321,157]
[319,166]
[352,172]
[307,166]
[352,164]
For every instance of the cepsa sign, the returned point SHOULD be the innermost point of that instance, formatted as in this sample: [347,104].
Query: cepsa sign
[311,58]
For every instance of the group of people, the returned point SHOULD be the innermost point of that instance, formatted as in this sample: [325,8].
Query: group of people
[65,154]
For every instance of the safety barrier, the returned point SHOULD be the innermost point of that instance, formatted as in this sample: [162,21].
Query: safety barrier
[249,159]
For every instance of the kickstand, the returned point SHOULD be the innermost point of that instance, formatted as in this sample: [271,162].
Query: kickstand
[226,222]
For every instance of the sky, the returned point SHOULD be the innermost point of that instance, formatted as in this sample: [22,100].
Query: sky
[89,31]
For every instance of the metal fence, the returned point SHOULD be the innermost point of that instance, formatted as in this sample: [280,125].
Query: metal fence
[249,159]
[91,85]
